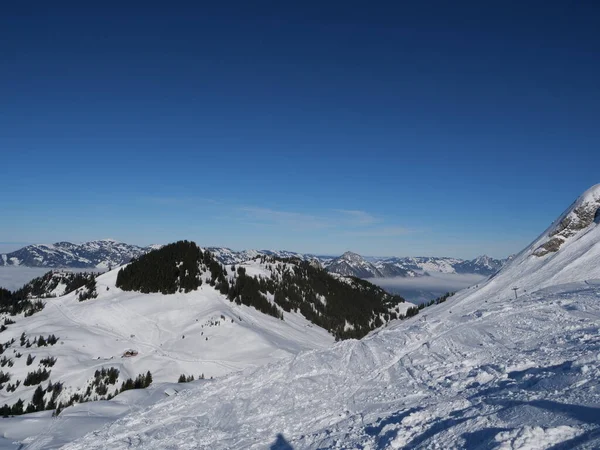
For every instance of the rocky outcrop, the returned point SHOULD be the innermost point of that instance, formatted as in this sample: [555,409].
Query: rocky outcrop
[581,215]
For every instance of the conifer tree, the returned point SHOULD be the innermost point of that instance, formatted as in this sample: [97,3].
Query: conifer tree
[38,399]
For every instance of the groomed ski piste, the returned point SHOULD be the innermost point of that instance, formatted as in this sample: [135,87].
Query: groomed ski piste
[482,370]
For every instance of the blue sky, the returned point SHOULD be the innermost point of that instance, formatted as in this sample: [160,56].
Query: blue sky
[381,128]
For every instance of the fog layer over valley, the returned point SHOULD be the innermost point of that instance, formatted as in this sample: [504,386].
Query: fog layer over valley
[422,289]
[13,277]
[415,290]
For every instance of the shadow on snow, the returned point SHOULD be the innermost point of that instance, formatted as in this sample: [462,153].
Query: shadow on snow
[281,444]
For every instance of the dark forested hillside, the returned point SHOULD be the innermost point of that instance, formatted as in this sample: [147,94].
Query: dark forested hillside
[347,307]
[173,267]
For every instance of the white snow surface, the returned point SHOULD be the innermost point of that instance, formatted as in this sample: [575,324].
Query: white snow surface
[503,375]
[482,370]
[200,332]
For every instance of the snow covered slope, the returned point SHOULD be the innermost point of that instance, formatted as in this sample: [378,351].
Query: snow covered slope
[577,258]
[482,370]
[200,332]
[470,381]
[210,324]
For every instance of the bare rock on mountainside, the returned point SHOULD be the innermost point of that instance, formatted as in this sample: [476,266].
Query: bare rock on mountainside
[579,216]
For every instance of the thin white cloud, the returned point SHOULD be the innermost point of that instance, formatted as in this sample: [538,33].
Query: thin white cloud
[380,232]
[357,217]
[354,223]
[286,218]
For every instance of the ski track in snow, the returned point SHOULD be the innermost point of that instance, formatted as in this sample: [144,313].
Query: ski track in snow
[484,370]
[501,377]
[95,333]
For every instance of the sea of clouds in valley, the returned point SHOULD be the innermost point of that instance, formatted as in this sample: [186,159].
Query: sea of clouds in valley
[422,289]
[14,277]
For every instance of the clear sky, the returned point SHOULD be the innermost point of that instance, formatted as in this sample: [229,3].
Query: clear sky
[380,127]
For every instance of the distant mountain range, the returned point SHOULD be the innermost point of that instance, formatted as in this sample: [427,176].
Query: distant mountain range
[105,253]
[100,254]
[353,264]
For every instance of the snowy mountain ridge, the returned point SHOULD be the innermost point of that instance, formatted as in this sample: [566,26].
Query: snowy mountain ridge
[100,254]
[353,264]
[482,370]
[106,253]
